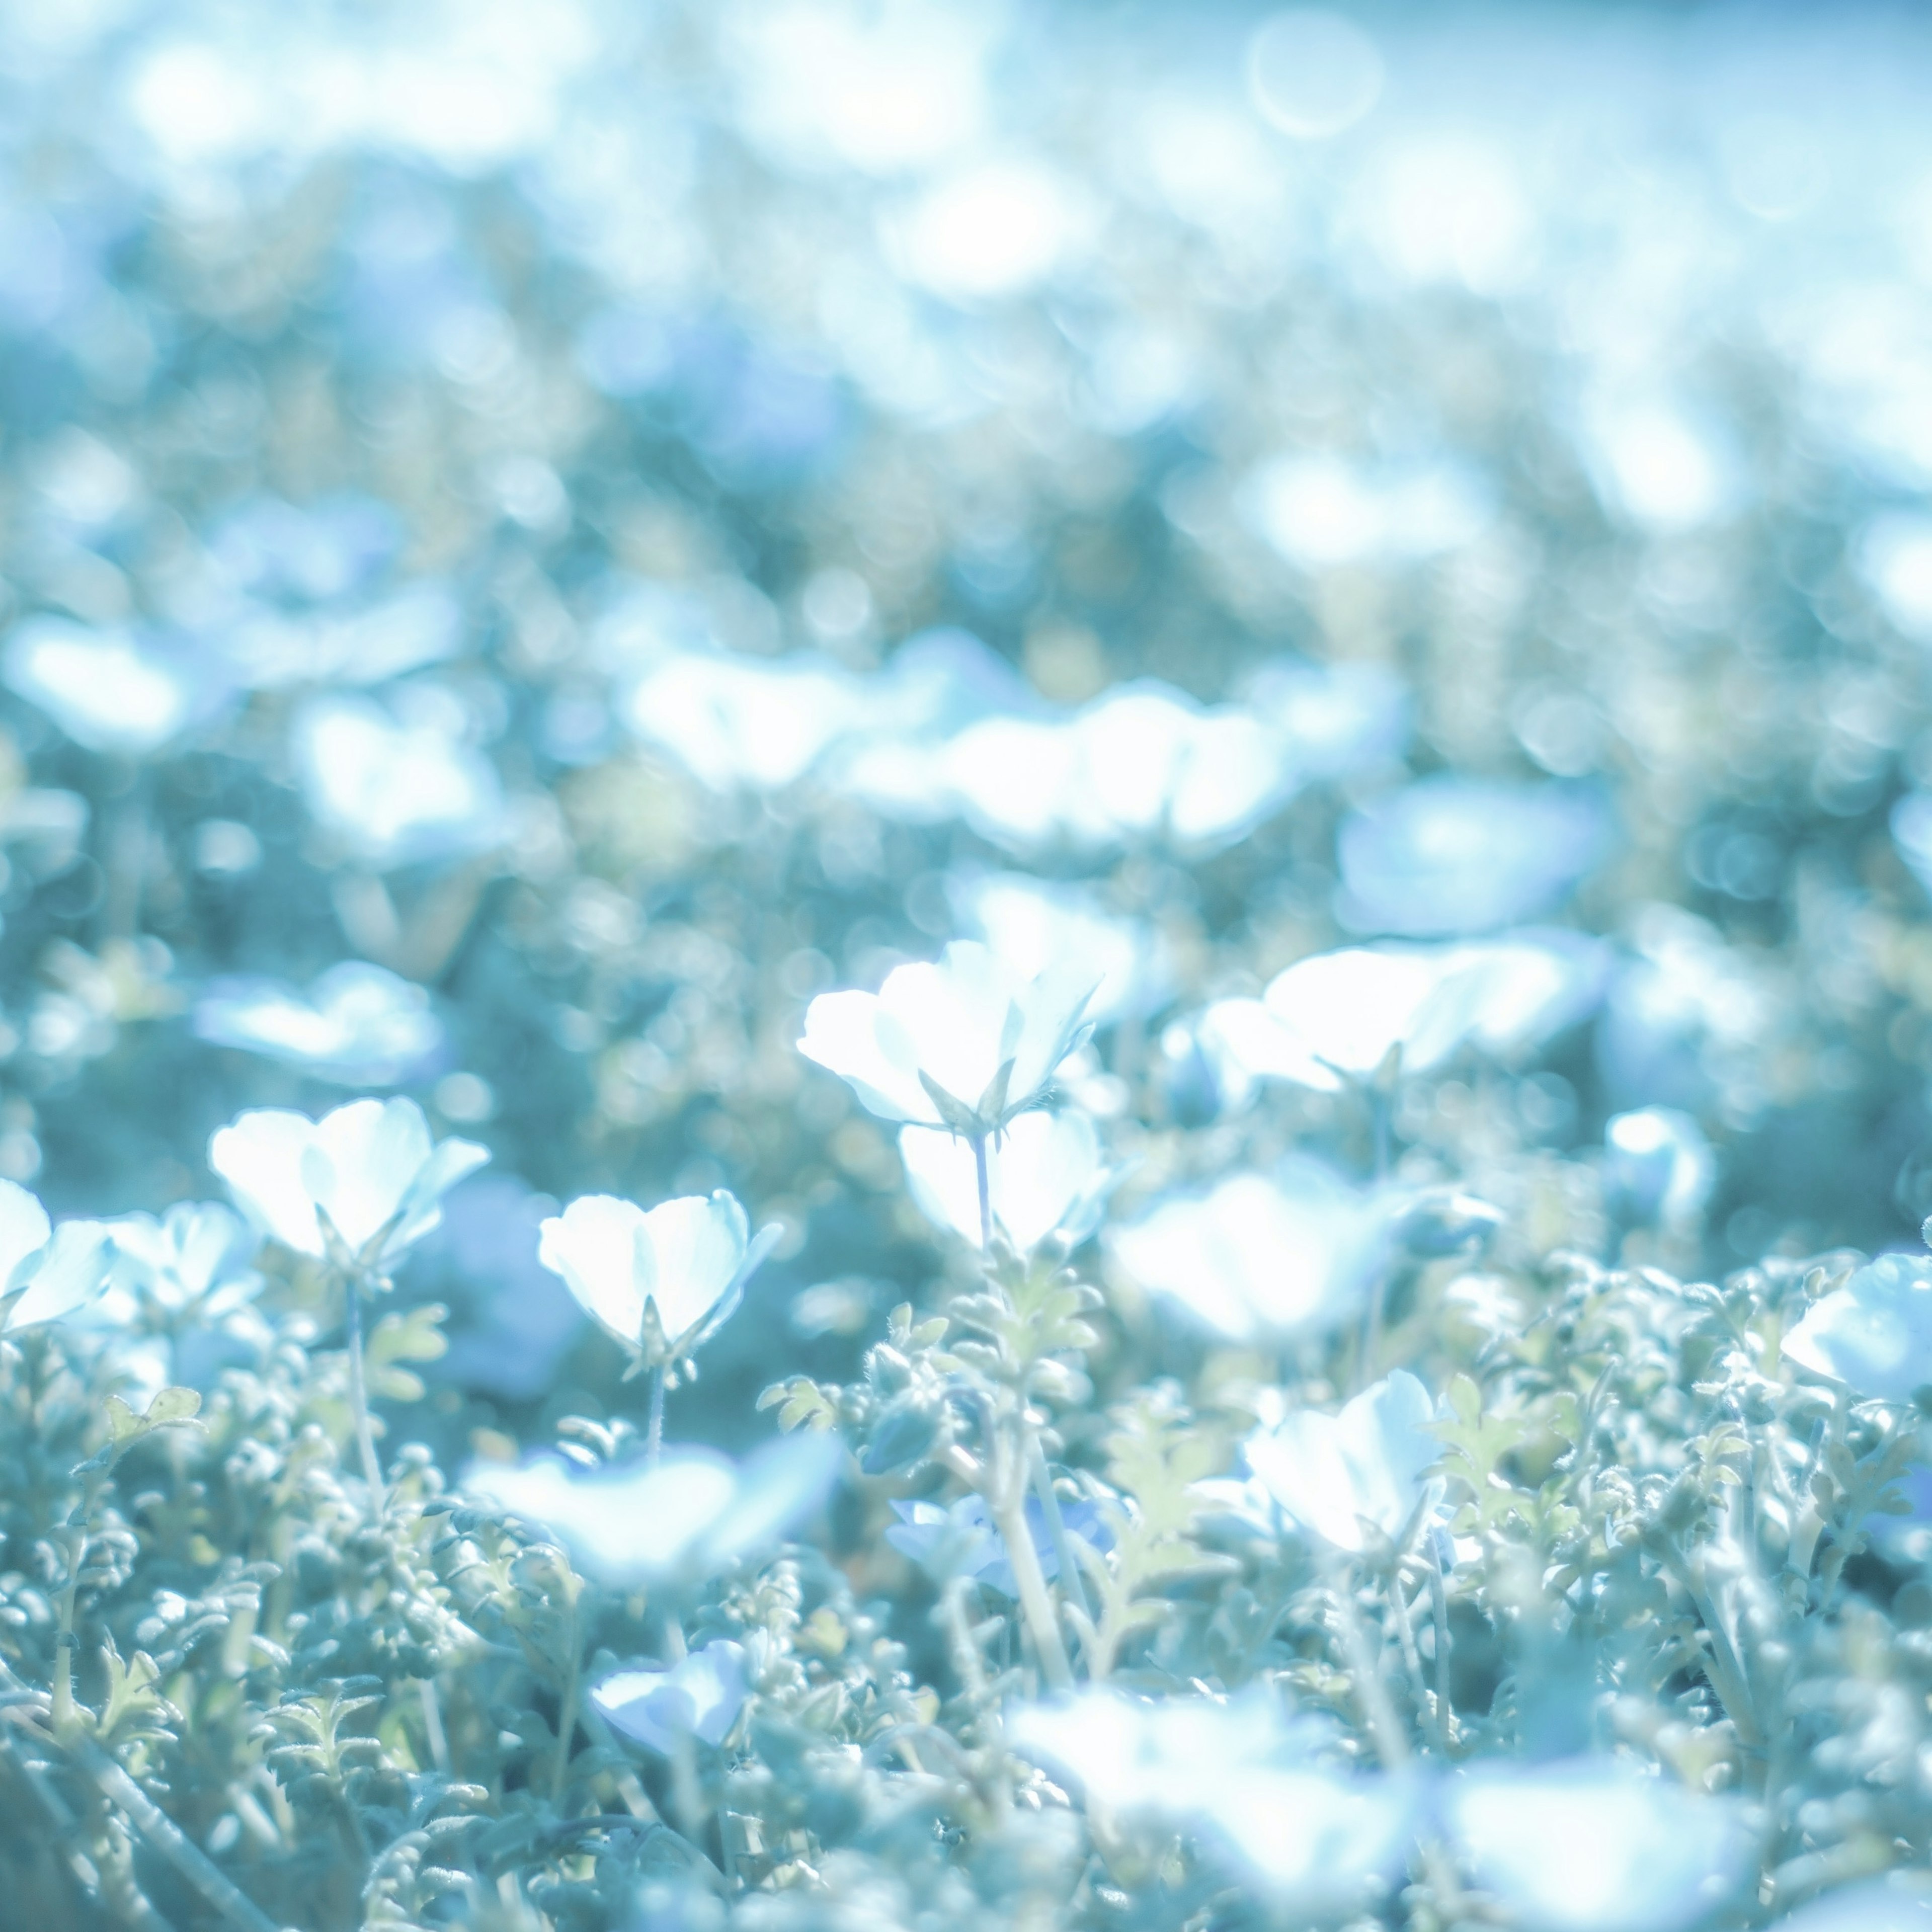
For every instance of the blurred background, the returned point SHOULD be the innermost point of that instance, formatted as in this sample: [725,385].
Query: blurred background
[536,538]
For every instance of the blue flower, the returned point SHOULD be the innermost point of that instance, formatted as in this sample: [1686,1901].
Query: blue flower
[699,1696]
[1874,1334]
[960,1540]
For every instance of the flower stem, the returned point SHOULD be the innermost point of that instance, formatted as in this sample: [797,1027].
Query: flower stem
[654,1442]
[566,1716]
[1056,1529]
[358,1397]
[985,1193]
[1036,1602]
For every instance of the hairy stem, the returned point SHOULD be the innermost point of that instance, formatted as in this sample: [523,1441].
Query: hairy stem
[566,1716]
[654,1442]
[986,1192]
[1056,1529]
[358,1398]
[1036,1601]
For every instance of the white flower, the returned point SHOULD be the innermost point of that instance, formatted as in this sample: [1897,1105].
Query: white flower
[731,720]
[1034,924]
[1259,1257]
[1343,1476]
[1466,855]
[1335,1017]
[395,794]
[198,1257]
[683,1516]
[660,1282]
[965,1043]
[47,1272]
[1319,1841]
[1874,1334]
[357,1024]
[699,1696]
[369,1167]
[1044,1175]
[109,690]
[1657,1166]
[1592,1847]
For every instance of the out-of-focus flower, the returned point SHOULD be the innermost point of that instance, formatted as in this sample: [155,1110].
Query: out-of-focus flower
[1890,1904]
[1874,1334]
[683,1517]
[1319,1840]
[1258,1256]
[1034,925]
[1141,763]
[47,1272]
[1455,855]
[1318,512]
[1343,1478]
[112,690]
[965,1043]
[395,794]
[1337,718]
[1045,1175]
[1587,1846]
[1685,1021]
[368,1174]
[699,1696]
[1335,1016]
[270,649]
[198,1258]
[1657,1166]
[960,1540]
[357,1024]
[267,547]
[1441,1221]
[660,1282]
[731,721]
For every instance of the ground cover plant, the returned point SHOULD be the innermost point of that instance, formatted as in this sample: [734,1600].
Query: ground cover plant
[965,966]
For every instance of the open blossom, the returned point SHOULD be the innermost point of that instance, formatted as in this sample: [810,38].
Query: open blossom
[1045,1175]
[683,1516]
[47,1272]
[357,1024]
[1591,1846]
[1261,1255]
[660,1282]
[1335,1017]
[699,1696]
[198,1258]
[368,1173]
[1319,1840]
[1344,1477]
[1874,1334]
[964,1043]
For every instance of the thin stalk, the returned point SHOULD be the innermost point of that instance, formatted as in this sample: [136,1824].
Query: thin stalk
[566,1716]
[1438,1604]
[1036,1602]
[73,1545]
[985,1193]
[1056,1529]
[1384,1727]
[654,1442]
[358,1398]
